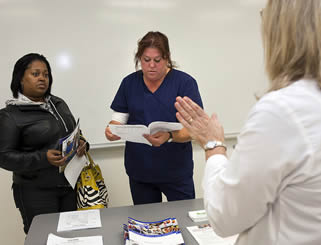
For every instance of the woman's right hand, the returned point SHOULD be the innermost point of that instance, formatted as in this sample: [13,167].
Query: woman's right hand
[108,133]
[200,126]
[55,158]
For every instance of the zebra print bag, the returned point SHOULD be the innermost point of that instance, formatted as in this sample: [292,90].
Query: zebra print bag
[91,190]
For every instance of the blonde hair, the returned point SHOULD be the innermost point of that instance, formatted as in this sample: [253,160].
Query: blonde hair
[291,32]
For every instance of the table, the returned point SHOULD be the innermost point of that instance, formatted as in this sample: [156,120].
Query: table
[112,220]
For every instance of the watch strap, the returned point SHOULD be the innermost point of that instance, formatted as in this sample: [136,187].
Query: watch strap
[170,139]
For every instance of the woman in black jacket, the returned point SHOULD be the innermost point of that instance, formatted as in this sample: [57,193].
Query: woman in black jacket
[30,126]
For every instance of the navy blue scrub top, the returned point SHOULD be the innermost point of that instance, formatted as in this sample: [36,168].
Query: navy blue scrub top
[171,161]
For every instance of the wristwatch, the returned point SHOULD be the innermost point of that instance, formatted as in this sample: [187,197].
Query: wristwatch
[213,144]
[170,139]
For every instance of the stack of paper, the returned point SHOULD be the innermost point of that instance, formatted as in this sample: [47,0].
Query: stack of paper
[78,220]
[198,215]
[162,232]
[204,235]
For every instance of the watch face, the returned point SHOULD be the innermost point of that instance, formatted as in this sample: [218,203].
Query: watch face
[210,144]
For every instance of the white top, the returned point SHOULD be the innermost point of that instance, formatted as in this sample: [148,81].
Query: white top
[120,117]
[270,189]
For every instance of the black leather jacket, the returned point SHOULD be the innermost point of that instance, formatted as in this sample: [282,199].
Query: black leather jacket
[26,134]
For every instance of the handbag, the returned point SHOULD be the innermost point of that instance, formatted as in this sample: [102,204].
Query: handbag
[92,192]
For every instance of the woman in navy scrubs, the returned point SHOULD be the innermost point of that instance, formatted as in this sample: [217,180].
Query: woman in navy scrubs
[145,96]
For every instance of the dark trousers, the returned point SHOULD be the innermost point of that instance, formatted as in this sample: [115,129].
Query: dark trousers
[32,201]
[143,193]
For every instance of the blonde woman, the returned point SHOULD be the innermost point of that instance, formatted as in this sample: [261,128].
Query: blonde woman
[269,191]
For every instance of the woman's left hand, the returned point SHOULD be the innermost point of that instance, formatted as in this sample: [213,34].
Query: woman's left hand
[81,148]
[158,138]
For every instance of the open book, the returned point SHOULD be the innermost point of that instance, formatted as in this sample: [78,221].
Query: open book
[134,133]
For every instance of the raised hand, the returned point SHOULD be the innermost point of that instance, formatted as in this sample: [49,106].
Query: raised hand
[200,126]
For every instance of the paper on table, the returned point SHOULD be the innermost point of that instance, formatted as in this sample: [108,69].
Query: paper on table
[134,133]
[78,220]
[92,240]
[73,169]
[204,235]
[172,239]
[198,215]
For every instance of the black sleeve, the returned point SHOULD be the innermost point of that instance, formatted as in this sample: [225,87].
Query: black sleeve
[11,158]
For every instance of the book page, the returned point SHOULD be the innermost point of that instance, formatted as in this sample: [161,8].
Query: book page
[133,133]
[158,126]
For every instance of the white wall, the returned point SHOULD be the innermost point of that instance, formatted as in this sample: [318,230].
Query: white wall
[111,162]
[90,45]
[227,53]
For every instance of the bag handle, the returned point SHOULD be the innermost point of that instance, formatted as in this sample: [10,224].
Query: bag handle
[86,142]
[91,161]
[88,156]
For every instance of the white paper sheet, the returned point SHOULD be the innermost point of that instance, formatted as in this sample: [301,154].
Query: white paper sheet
[134,133]
[73,169]
[172,239]
[198,215]
[78,220]
[204,235]
[92,240]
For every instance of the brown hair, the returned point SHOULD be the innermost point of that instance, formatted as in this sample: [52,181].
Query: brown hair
[291,32]
[154,40]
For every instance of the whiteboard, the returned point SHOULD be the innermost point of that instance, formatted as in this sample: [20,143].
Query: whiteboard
[90,45]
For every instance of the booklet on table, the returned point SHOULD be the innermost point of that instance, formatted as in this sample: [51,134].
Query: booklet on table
[162,232]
